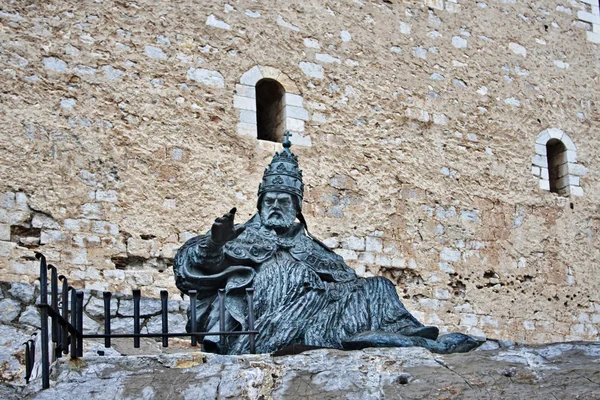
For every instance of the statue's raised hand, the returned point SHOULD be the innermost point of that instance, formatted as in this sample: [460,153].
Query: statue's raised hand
[223,230]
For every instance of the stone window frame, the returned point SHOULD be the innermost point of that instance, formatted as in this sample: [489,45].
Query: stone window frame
[244,100]
[592,17]
[569,172]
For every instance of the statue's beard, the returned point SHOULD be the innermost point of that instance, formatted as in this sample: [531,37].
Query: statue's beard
[278,220]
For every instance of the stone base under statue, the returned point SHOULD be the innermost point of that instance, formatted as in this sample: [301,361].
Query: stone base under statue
[496,370]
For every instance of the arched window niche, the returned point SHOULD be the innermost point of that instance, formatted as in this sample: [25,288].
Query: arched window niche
[555,163]
[269,104]
[556,153]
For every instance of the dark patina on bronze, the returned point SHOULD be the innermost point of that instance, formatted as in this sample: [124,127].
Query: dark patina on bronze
[305,295]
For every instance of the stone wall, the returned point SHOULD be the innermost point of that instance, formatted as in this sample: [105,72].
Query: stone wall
[122,138]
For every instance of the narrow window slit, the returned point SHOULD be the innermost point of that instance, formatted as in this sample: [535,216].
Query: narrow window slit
[270,110]
[557,156]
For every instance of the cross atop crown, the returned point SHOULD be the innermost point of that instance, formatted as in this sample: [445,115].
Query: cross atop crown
[286,143]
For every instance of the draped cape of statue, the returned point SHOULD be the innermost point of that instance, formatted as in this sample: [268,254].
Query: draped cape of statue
[304,293]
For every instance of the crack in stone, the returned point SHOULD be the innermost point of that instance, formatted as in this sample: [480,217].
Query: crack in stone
[443,364]
[585,377]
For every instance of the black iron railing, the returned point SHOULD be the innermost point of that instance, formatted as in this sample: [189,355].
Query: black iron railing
[67,333]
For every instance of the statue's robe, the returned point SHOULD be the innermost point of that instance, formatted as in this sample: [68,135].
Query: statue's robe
[304,292]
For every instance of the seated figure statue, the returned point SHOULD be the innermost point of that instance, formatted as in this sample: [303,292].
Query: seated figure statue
[304,293]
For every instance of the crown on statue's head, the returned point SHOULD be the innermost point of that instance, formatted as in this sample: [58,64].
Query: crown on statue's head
[283,175]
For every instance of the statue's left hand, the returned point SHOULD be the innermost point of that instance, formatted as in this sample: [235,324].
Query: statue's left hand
[223,230]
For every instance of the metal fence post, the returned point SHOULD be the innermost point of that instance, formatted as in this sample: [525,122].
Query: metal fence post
[251,339]
[222,338]
[136,317]
[73,321]
[194,328]
[65,314]
[79,323]
[164,296]
[107,296]
[54,305]
[44,319]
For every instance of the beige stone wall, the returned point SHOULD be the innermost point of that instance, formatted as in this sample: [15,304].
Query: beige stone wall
[120,140]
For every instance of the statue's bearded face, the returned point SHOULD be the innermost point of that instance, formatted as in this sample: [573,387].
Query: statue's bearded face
[278,210]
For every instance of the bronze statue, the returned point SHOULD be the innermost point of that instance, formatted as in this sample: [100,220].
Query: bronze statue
[304,293]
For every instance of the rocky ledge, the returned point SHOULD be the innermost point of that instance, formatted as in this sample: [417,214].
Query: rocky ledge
[494,371]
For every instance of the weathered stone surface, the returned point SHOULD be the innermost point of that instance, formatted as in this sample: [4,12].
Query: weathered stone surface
[9,310]
[176,323]
[206,77]
[96,349]
[217,23]
[90,326]
[22,291]
[155,52]
[567,370]
[12,353]
[517,49]
[10,392]
[123,325]
[147,307]
[44,221]
[312,70]
[55,64]
[31,316]
[95,307]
